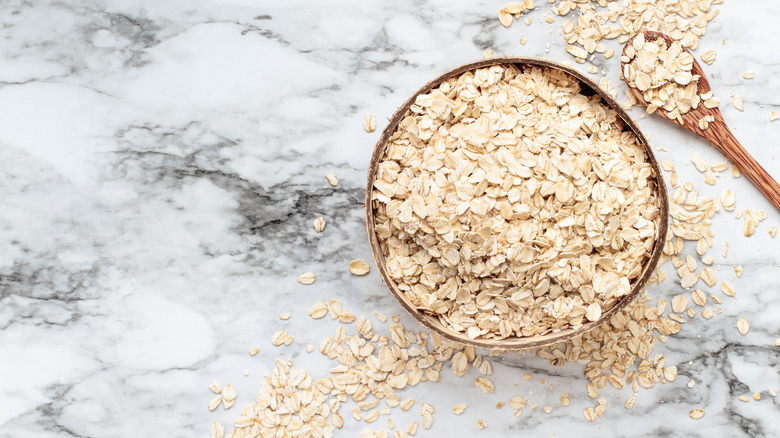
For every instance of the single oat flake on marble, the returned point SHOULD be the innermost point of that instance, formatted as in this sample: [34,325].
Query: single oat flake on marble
[319,224]
[307,278]
[333,179]
[743,326]
[696,413]
[359,267]
[369,123]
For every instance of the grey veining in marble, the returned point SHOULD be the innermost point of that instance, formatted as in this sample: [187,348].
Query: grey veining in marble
[161,164]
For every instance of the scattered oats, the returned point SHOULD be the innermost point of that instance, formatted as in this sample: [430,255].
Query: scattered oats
[743,326]
[372,416]
[667,165]
[309,348]
[412,428]
[716,300]
[500,405]
[698,297]
[756,396]
[708,260]
[777,342]
[771,392]
[485,385]
[748,74]
[679,304]
[708,276]
[737,102]
[505,18]
[487,54]
[307,278]
[284,316]
[707,313]
[486,368]
[358,267]
[689,280]
[427,421]
[564,400]
[773,116]
[547,409]
[735,172]
[318,310]
[608,54]
[720,166]
[369,122]
[708,56]
[699,163]
[727,288]
[319,224]
[670,373]
[407,404]
[592,391]
[727,200]
[333,179]
[630,402]
[772,230]
[281,337]
[522,41]
[481,423]
[589,414]
[743,398]
[215,402]
[696,413]
[691,383]
[459,408]
[517,403]
[217,430]
[738,270]
[214,386]
[709,178]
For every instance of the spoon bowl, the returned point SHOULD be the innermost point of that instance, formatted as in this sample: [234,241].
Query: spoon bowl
[717,133]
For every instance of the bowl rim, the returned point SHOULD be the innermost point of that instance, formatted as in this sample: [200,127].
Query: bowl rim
[514,342]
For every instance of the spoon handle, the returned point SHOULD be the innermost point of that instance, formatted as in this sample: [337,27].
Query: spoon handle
[734,151]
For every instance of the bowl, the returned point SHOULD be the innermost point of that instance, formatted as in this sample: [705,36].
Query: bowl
[588,87]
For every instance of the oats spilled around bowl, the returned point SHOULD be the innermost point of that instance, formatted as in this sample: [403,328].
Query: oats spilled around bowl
[511,203]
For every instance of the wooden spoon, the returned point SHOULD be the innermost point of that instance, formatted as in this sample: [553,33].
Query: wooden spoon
[717,133]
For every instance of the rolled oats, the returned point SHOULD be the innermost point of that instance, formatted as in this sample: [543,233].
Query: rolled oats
[708,56]
[696,413]
[737,102]
[369,123]
[443,251]
[743,326]
[319,224]
[307,278]
[333,179]
[359,267]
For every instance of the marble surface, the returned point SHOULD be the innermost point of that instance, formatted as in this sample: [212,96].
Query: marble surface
[160,167]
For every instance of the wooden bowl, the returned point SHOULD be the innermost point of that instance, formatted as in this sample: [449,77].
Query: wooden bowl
[514,343]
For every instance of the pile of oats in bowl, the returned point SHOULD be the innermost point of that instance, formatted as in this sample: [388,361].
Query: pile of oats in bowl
[510,204]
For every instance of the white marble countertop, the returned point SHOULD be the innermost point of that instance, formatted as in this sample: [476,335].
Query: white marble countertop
[161,164]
